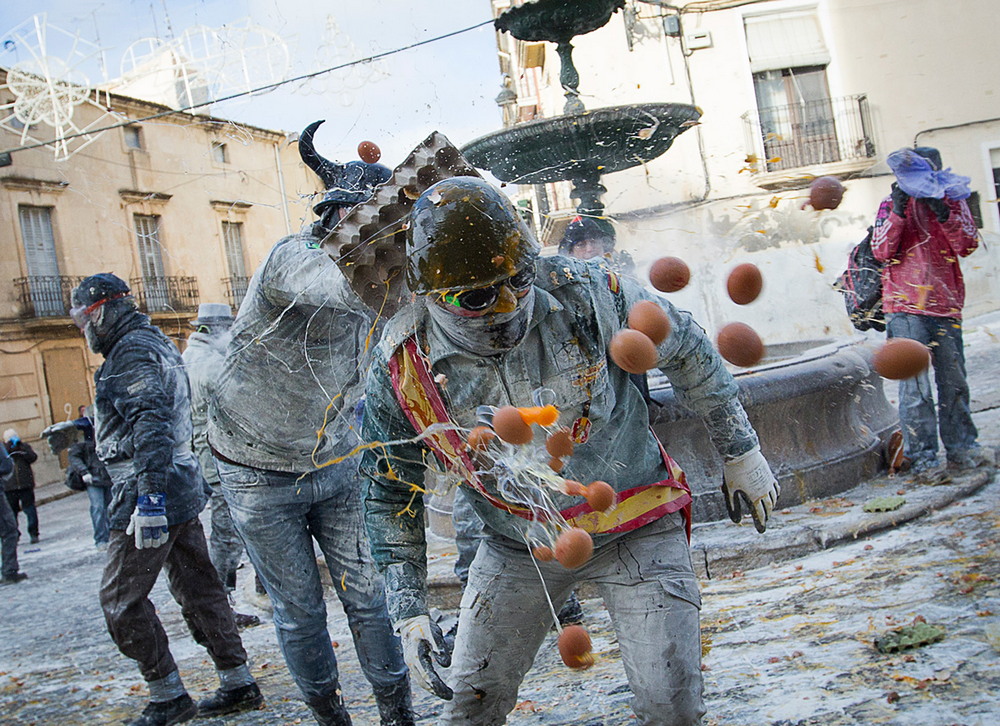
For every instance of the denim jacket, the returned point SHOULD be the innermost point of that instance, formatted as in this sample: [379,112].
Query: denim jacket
[578,307]
[143,425]
[286,395]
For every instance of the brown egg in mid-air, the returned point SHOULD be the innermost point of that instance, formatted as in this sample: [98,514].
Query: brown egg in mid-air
[600,496]
[739,344]
[560,443]
[633,351]
[369,152]
[901,358]
[744,283]
[556,464]
[669,274]
[543,553]
[825,192]
[575,647]
[649,318]
[480,437]
[574,546]
[510,427]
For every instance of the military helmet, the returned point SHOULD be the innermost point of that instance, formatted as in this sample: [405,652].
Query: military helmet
[465,233]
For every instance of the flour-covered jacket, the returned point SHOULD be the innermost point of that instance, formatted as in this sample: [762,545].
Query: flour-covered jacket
[204,358]
[577,309]
[142,423]
[293,365]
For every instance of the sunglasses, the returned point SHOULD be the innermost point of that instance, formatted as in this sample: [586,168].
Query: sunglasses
[483,298]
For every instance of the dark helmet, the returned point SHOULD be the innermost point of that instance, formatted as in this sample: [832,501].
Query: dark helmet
[346,184]
[102,286]
[931,154]
[465,233]
[584,228]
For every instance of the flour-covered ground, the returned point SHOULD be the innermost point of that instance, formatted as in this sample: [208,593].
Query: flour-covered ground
[788,643]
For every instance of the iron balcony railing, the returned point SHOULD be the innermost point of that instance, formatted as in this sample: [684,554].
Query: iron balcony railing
[165,294]
[236,290]
[809,133]
[45,296]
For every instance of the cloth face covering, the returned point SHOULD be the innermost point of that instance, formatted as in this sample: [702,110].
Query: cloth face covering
[486,335]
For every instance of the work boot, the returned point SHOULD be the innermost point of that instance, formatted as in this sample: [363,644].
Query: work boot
[571,612]
[13,579]
[165,713]
[395,705]
[244,620]
[329,710]
[242,698]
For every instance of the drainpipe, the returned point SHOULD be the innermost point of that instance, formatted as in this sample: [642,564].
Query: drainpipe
[281,190]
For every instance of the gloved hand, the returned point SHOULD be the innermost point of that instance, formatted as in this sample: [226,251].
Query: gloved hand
[88,478]
[940,208]
[748,477]
[422,638]
[149,521]
[899,200]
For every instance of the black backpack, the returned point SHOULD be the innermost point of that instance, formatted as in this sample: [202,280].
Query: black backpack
[861,285]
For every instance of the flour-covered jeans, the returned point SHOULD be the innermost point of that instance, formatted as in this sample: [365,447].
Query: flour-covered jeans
[916,400]
[648,585]
[100,498]
[279,515]
[224,543]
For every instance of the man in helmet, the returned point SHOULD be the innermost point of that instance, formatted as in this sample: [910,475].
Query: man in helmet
[495,324]
[282,426]
[203,359]
[143,435]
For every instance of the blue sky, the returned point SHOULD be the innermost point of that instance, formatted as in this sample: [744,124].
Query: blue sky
[447,86]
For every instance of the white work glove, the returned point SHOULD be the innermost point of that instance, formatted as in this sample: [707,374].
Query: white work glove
[149,521]
[422,639]
[88,478]
[748,477]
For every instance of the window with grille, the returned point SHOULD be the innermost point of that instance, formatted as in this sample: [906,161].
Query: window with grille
[40,256]
[232,235]
[154,282]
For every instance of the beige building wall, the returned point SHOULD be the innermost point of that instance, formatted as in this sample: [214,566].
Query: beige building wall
[192,172]
[925,69]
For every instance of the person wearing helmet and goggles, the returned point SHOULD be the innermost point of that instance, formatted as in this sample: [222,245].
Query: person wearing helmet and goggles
[477,335]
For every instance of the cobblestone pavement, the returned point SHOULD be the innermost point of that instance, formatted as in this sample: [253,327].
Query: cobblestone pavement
[787,642]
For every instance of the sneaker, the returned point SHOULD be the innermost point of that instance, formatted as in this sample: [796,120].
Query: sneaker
[243,698]
[34,539]
[971,458]
[571,612]
[166,713]
[13,579]
[244,620]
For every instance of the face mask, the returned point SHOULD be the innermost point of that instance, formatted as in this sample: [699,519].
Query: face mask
[487,335]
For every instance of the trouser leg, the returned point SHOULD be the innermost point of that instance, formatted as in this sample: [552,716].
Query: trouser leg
[99,498]
[468,532]
[14,502]
[270,510]
[957,430]
[129,575]
[225,545]
[30,511]
[8,539]
[337,524]
[196,587]
[917,411]
[651,593]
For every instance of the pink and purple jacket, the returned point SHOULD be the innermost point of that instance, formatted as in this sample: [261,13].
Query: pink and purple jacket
[922,275]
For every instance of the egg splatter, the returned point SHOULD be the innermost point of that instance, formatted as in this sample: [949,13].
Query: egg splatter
[480,437]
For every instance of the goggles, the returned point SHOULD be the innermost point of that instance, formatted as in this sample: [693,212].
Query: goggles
[81,313]
[482,298]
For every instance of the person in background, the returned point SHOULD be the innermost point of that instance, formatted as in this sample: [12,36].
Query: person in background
[921,231]
[84,464]
[203,358]
[11,572]
[143,435]
[587,237]
[20,487]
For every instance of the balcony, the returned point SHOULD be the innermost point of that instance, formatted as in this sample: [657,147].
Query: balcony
[236,290]
[832,131]
[45,296]
[165,294]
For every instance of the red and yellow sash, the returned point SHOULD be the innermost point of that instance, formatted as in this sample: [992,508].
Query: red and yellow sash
[421,401]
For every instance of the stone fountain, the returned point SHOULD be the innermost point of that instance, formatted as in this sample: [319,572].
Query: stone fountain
[818,406]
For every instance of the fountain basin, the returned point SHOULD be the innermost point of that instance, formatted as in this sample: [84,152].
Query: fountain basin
[820,412]
[581,145]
